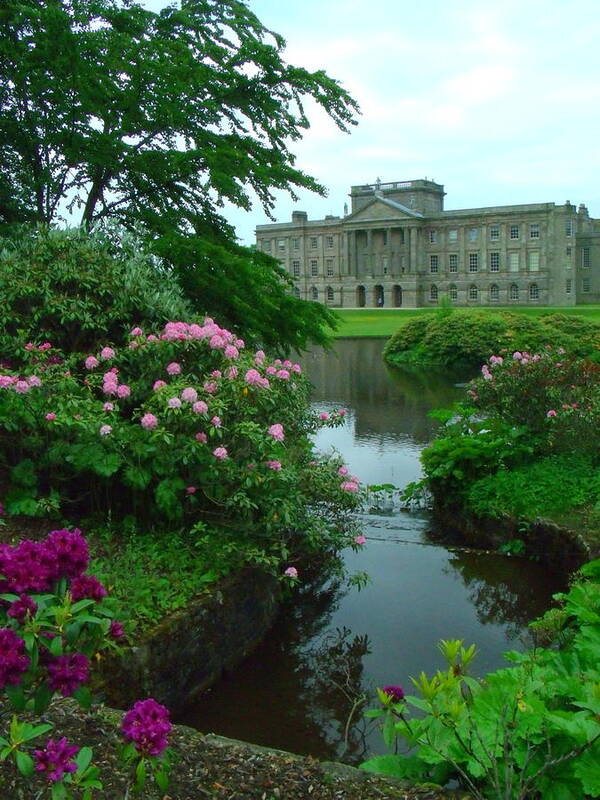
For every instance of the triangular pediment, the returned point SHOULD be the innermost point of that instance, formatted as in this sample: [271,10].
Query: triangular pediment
[380,208]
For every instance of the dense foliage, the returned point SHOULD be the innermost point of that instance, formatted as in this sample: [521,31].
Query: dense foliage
[78,290]
[111,111]
[467,338]
[528,444]
[181,427]
[525,732]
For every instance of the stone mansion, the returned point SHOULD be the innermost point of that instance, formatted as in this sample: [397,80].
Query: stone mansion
[399,247]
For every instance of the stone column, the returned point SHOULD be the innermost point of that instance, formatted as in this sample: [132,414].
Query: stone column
[369,258]
[346,255]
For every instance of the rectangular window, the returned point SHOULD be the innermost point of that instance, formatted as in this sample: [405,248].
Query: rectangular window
[313,242]
[281,244]
[296,269]
[314,268]
[494,232]
[569,285]
[267,245]
[329,267]
[384,263]
[453,235]
[296,244]
[568,251]
[473,262]
[329,242]
[453,262]
[514,231]
[534,230]
[513,262]
[385,238]
[585,258]
[585,285]
[494,262]
[433,237]
[569,227]
[473,234]
[433,263]
[534,261]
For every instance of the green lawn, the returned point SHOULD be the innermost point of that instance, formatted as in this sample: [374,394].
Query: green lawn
[386,321]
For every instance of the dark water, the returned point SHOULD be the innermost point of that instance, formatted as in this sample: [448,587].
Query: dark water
[297,690]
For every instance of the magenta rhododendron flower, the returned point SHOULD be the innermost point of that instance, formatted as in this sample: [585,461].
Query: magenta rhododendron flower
[106,353]
[91,362]
[190,490]
[291,572]
[105,430]
[71,551]
[189,395]
[117,631]
[174,368]
[276,431]
[395,693]
[13,661]
[87,587]
[67,673]
[149,421]
[147,726]
[220,453]
[22,608]
[55,759]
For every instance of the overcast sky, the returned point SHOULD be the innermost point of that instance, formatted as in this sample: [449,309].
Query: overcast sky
[498,100]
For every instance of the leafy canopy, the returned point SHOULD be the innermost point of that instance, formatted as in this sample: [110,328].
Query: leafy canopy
[109,110]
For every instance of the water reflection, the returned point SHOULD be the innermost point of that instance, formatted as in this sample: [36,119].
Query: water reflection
[331,645]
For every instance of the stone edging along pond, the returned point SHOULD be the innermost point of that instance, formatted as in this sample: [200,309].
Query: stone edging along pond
[191,648]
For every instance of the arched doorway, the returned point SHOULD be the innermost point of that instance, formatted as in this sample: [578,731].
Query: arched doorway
[378,296]
[397,294]
[360,296]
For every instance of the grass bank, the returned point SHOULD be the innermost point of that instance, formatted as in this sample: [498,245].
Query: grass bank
[377,322]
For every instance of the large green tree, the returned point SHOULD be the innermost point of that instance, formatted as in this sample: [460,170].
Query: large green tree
[109,110]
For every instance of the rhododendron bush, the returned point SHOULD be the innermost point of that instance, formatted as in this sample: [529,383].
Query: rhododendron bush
[180,424]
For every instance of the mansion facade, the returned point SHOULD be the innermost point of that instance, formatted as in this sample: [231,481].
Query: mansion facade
[398,247]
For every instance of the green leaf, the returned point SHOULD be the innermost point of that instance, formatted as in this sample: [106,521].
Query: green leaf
[83,696]
[16,697]
[587,769]
[83,759]
[24,763]
[410,767]
[162,780]
[42,698]
[35,731]
[140,775]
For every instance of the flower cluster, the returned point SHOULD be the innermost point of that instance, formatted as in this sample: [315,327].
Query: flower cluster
[13,661]
[56,759]
[147,726]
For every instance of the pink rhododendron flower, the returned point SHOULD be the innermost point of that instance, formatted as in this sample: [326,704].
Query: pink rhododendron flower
[105,430]
[220,453]
[34,381]
[91,362]
[276,431]
[323,415]
[133,344]
[252,377]
[6,380]
[349,486]
[21,387]
[201,437]
[108,407]
[174,368]
[240,344]
[517,356]
[216,421]
[271,370]
[158,385]
[190,490]
[360,540]
[343,471]
[137,332]
[106,353]
[30,346]
[342,412]
[210,387]
[189,395]
[231,373]
[283,374]
[259,357]
[217,342]
[149,421]
[551,413]
[216,373]
[276,465]
[45,346]
[123,390]
[200,407]
[152,338]
[296,368]
[174,402]
[291,572]
[50,416]
[231,351]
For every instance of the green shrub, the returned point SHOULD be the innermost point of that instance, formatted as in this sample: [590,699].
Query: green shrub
[77,289]
[547,487]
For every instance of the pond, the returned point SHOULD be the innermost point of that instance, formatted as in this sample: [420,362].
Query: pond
[333,643]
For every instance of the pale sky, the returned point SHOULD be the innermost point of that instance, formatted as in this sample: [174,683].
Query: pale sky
[498,100]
